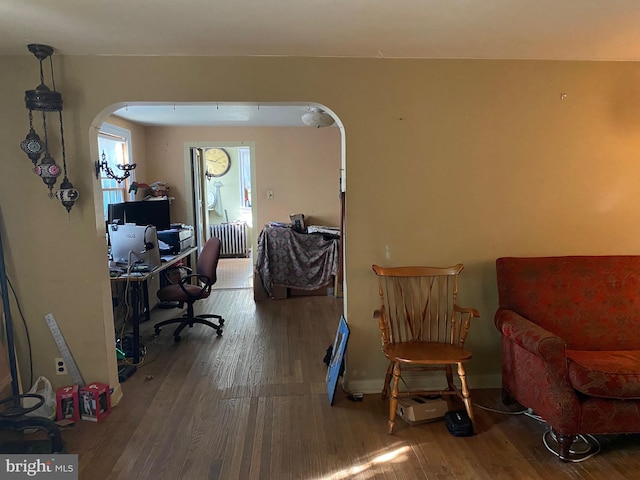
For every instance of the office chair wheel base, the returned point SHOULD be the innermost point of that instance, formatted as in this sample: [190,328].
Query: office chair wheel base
[176,338]
[219,333]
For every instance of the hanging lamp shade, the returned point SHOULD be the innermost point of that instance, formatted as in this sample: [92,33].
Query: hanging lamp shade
[47,101]
[318,118]
[48,171]
[67,194]
[32,145]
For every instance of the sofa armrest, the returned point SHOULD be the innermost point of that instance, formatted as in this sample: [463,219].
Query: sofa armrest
[534,339]
[536,371]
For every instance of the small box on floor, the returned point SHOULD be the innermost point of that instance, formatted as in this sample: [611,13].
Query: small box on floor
[421,409]
[95,401]
[68,405]
[458,423]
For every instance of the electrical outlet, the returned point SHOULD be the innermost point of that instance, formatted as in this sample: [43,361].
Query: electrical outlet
[61,367]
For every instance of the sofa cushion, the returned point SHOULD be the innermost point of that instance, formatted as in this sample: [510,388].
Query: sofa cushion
[608,374]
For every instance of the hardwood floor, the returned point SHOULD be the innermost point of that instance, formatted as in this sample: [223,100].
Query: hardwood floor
[234,273]
[253,405]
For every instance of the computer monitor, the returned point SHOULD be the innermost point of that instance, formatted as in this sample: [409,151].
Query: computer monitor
[144,212]
[136,242]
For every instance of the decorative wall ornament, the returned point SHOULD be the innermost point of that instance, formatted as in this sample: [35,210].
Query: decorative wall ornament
[108,171]
[45,100]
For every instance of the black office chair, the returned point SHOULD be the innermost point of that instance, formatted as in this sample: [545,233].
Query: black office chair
[185,292]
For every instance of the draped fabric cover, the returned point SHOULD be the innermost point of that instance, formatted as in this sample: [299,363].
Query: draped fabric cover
[296,260]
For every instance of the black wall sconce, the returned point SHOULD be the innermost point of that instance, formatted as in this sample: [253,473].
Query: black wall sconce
[47,101]
[108,171]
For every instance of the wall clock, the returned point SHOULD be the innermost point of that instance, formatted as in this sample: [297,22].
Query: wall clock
[218,162]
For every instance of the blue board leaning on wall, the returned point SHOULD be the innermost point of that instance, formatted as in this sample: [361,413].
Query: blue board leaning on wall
[334,369]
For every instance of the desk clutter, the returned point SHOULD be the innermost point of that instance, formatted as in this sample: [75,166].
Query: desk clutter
[130,297]
[142,231]
[136,250]
[140,256]
[175,240]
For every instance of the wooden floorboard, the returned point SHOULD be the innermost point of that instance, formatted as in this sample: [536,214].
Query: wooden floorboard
[253,405]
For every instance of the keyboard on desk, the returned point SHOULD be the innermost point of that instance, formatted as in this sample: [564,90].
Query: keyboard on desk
[124,267]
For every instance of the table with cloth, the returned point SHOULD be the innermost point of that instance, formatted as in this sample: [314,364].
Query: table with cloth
[291,259]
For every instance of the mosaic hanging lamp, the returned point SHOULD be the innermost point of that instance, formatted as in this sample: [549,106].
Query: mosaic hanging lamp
[46,100]
[32,145]
[67,193]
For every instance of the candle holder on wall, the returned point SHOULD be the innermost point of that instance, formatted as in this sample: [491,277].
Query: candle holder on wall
[108,171]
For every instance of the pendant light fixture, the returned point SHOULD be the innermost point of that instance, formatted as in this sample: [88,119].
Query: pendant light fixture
[318,118]
[47,101]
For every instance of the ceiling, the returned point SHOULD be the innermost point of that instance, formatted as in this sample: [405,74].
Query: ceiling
[216,114]
[478,29]
[497,29]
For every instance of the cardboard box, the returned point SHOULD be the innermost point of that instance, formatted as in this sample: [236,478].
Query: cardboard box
[297,222]
[95,401]
[421,409]
[278,292]
[259,293]
[68,404]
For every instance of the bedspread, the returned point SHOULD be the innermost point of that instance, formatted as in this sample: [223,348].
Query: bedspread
[295,260]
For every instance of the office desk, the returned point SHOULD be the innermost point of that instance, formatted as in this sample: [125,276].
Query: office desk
[139,281]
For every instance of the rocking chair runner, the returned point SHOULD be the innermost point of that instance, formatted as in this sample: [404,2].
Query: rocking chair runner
[422,328]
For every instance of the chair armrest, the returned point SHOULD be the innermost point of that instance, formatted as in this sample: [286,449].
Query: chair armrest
[384,327]
[170,270]
[462,317]
[202,279]
[534,339]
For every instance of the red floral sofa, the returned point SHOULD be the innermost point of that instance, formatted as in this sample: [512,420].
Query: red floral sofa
[571,342]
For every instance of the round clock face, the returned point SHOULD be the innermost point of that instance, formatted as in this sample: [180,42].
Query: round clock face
[218,161]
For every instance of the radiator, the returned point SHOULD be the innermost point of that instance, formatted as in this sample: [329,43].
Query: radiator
[234,238]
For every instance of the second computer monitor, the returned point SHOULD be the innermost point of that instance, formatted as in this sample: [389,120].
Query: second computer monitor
[145,212]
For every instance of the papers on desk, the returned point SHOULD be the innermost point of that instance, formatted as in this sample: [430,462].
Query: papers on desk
[123,270]
[326,230]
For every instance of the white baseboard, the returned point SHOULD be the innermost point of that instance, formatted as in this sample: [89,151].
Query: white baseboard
[116,396]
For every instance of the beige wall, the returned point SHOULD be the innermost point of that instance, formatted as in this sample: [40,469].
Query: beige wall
[446,161]
[300,165]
